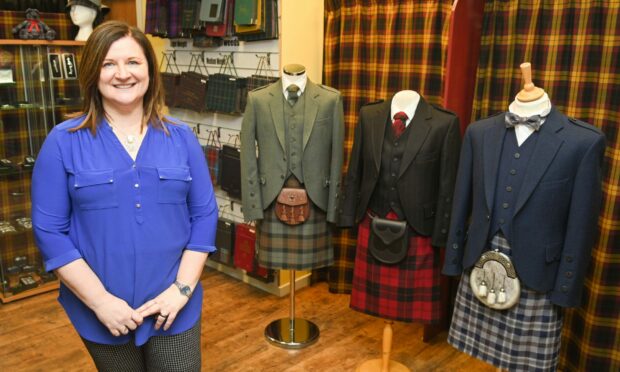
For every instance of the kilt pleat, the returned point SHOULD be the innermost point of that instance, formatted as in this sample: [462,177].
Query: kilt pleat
[408,291]
[301,247]
[525,337]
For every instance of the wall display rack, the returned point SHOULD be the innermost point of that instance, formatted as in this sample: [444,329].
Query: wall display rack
[38,86]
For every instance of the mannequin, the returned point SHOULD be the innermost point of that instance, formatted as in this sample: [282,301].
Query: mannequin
[530,101]
[396,178]
[513,198]
[297,129]
[83,17]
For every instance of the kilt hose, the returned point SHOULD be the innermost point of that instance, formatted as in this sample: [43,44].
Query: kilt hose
[407,291]
[300,247]
[525,337]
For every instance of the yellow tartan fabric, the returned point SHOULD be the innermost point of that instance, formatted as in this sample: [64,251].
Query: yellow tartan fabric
[59,22]
[372,50]
[574,48]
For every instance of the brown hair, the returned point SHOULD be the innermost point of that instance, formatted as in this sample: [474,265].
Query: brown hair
[93,55]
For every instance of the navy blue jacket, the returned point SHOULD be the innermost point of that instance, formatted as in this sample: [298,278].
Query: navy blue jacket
[555,217]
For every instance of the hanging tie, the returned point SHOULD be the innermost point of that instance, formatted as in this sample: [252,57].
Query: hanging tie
[398,125]
[292,94]
[533,121]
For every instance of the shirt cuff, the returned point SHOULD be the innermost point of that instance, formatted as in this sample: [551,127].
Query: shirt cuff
[201,248]
[62,260]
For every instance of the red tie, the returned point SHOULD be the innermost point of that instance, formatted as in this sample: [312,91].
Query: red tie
[398,125]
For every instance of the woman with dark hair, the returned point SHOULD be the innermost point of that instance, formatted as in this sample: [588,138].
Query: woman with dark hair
[124,212]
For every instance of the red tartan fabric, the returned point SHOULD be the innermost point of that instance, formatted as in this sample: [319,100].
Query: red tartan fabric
[408,291]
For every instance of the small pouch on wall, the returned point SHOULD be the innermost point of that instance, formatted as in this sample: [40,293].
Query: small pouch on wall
[224,241]
[244,256]
[494,281]
[292,207]
[170,79]
[230,170]
[389,240]
[192,92]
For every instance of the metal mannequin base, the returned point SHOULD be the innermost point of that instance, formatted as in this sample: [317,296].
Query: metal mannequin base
[295,334]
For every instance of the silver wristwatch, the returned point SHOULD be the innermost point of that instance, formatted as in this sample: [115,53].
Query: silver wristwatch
[184,289]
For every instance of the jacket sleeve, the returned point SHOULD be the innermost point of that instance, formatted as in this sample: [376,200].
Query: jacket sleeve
[461,210]
[351,187]
[336,160]
[581,227]
[51,206]
[251,197]
[449,166]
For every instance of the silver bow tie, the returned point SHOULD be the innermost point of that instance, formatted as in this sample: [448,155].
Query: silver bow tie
[533,121]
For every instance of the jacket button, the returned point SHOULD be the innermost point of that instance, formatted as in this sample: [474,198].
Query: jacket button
[455,246]
[564,289]
[282,176]
[488,217]
[569,274]
[251,194]
[448,200]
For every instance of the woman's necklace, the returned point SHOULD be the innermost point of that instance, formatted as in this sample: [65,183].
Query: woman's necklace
[130,142]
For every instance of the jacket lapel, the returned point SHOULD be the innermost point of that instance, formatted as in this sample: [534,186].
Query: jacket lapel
[419,127]
[491,153]
[276,105]
[547,146]
[377,121]
[313,94]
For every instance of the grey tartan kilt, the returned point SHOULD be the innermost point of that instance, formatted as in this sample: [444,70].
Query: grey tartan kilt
[300,247]
[525,337]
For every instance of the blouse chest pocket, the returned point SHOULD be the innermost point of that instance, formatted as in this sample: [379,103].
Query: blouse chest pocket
[173,185]
[95,189]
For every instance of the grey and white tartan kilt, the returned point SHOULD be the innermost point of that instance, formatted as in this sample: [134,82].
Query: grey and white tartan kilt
[301,247]
[525,337]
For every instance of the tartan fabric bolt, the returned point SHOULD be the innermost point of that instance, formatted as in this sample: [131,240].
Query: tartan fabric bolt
[525,337]
[408,291]
[150,17]
[574,49]
[175,11]
[372,50]
[212,154]
[300,247]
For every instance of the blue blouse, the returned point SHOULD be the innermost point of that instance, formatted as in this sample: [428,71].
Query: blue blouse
[129,220]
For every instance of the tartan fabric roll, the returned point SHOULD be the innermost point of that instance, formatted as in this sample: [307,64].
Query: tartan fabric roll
[407,291]
[574,49]
[59,22]
[300,247]
[372,50]
[525,337]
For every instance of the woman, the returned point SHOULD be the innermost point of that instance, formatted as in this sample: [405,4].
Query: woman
[124,212]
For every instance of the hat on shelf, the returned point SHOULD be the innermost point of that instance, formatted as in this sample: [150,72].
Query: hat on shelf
[95,4]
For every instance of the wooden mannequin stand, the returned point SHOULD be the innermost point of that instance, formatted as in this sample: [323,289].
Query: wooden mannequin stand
[384,364]
[291,332]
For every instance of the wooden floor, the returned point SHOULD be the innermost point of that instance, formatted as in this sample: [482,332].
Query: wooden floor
[35,334]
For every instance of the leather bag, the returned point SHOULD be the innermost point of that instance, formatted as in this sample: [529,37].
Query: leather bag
[224,241]
[170,79]
[230,171]
[192,92]
[389,240]
[292,206]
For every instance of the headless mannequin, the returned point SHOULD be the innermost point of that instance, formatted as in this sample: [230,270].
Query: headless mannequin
[294,74]
[83,17]
[530,101]
[407,102]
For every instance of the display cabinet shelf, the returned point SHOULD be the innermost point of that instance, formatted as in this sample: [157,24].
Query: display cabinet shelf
[38,87]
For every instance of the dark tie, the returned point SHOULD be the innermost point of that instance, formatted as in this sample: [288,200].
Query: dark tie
[398,125]
[292,94]
[533,121]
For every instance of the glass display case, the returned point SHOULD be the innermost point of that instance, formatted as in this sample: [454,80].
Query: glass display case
[38,87]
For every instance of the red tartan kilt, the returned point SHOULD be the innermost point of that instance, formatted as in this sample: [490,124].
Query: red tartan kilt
[408,291]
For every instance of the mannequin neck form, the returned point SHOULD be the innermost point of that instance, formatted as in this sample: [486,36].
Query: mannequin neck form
[405,101]
[541,107]
[83,17]
[299,80]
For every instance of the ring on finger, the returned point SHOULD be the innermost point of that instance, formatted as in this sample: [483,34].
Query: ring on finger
[165,317]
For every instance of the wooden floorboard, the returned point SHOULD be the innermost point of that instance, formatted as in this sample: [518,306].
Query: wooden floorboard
[36,335]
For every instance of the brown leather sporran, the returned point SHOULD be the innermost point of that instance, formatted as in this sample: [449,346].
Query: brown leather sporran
[292,206]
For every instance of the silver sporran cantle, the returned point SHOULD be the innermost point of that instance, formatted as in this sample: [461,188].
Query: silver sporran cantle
[494,281]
